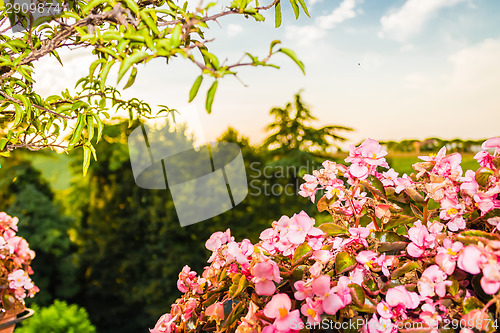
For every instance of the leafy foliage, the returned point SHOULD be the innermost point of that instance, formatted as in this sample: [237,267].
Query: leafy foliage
[58,317]
[122,35]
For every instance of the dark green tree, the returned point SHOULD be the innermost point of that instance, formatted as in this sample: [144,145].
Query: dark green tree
[292,133]
[29,197]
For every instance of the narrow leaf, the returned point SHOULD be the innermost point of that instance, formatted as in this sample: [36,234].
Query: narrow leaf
[302,252]
[293,56]
[304,7]
[210,96]
[295,8]
[131,79]
[194,89]
[277,15]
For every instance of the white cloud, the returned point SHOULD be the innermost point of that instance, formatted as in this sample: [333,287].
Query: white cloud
[234,29]
[309,33]
[343,12]
[313,2]
[407,21]
[476,68]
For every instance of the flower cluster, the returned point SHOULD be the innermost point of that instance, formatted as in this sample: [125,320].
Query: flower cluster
[418,249]
[15,269]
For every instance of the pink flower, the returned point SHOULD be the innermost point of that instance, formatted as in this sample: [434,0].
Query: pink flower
[218,239]
[321,285]
[279,308]
[484,159]
[471,259]
[365,158]
[303,290]
[19,279]
[490,282]
[265,274]
[452,210]
[332,303]
[402,183]
[389,176]
[447,255]
[312,310]
[369,260]
[358,235]
[299,227]
[433,282]
[382,325]
[421,240]
[164,325]
[400,297]
[309,188]
[492,143]
[215,311]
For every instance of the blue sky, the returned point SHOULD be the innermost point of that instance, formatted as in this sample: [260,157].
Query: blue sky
[426,68]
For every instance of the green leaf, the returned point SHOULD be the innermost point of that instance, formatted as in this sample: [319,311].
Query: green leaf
[129,61]
[194,89]
[398,220]
[344,261]
[304,7]
[277,15]
[302,252]
[390,241]
[293,56]
[19,115]
[415,195]
[86,159]
[91,5]
[273,44]
[371,287]
[104,73]
[483,176]
[131,79]
[332,229]
[176,36]
[374,185]
[146,17]
[240,283]
[407,267]
[357,294]
[295,8]
[133,6]
[210,96]
[3,143]
[455,287]
[234,316]
[77,133]
[472,303]
[94,65]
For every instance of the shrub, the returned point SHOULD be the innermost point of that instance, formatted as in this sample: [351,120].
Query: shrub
[58,318]
[419,251]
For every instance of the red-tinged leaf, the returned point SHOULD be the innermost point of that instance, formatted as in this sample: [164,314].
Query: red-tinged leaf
[240,283]
[472,303]
[234,316]
[344,261]
[415,195]
[407,267]
[332,229]
[357,294]
[371,287]
[483,176]
[302,252]
[398,220]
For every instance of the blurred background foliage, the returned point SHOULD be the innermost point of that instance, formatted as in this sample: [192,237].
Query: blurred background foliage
[116,249]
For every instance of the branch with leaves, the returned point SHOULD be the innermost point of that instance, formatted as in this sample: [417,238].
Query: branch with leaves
[122,35]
